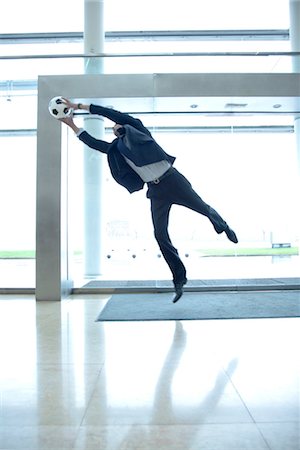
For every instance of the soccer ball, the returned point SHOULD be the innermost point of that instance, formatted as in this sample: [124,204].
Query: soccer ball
[58,109]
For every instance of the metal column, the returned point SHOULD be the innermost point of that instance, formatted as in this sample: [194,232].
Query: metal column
[93,43]
[295,47]
[52,278]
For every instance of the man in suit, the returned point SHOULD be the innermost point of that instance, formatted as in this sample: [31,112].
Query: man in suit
[135,158]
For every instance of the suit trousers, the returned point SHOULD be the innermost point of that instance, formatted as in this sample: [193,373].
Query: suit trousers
[176,189]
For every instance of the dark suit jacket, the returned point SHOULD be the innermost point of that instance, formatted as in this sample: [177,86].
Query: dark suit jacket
[141,148]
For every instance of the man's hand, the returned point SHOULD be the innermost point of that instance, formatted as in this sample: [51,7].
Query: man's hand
[70,104]
[70,122]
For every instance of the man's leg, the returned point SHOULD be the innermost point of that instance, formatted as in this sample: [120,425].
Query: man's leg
[186,196]
[160,211]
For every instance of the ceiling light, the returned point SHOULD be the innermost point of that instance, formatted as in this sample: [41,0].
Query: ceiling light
[236,105]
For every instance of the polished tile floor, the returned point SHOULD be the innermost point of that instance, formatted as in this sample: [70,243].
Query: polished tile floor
[68,382]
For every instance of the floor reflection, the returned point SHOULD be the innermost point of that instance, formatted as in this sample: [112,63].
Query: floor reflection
[69,382]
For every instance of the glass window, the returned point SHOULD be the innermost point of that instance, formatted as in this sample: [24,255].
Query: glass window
[196,14]
[68,15]
[34,16]
[17,206]
[243,167]
[264,169]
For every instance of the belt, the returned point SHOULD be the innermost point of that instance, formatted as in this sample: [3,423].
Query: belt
[164,175]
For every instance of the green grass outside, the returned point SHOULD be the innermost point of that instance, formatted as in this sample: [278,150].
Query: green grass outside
[238,251]
[17,254]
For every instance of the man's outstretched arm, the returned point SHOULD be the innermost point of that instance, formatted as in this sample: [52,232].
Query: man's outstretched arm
[111,114]
[84,136]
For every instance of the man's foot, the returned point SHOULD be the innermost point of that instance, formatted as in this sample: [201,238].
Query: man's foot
[179,289]
[231,235]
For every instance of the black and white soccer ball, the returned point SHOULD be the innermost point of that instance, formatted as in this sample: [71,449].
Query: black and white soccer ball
[58,109]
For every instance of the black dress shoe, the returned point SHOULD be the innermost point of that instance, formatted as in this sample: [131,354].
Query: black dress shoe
[231,235]
[179,289]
